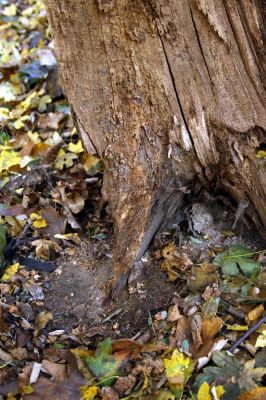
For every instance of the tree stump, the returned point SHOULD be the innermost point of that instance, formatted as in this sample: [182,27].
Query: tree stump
[167,93]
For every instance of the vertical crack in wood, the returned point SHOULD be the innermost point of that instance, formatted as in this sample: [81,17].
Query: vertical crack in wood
[241,17]
[199,43]
[175,88]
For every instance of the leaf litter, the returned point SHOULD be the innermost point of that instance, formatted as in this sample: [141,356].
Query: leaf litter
[50,191]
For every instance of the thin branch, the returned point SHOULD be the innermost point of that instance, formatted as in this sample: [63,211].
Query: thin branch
[247,334]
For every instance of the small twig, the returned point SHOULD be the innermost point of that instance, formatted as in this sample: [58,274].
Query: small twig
[244,255]
[247,334]
[116,312]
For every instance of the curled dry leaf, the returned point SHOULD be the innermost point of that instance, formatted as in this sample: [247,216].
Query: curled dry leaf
[44,248]
[255,314]
[57,371]
[42,319]
[174,261]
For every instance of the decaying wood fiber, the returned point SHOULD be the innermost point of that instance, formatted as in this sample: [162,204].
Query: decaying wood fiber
[165,91]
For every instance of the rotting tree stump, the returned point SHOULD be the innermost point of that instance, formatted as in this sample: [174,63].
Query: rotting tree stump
[166,92]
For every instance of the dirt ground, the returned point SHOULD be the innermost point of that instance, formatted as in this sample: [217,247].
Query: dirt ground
[76,291]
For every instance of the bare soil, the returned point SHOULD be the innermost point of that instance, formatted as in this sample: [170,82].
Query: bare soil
[77,290]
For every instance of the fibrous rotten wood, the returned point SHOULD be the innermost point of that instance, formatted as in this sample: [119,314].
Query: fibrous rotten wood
[165,92]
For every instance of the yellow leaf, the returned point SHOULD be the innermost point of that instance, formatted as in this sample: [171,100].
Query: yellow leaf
[261,340]
[236,327]
[178,370]
[204,392]
[8,91]
[76,148]
[30,101]
[27,389]
[34,137]
[64,159]
[88,393]
[37,220]
[10,11]
[10,271]
[8,159]
[19,123]
[219,391]
[4,113]
[89,162]
[261,154]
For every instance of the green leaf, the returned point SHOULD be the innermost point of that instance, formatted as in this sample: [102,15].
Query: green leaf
[230,268]
[106,366]
[237,256]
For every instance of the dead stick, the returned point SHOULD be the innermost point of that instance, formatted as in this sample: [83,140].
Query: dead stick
[248,333]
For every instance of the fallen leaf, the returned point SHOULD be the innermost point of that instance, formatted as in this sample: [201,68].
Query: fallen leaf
[10,271]
[88,393]
[105,365]
[10,11]
[56,223]
[74,201]
[261,340]
[255,314]
[50,121]
[204,392]
[8,159]
[202,276]
[57,371]
[258,393]
[237,256]
[71,237]
[173,314]
[42,319]
[91,164]
[63,159]
[178,370]
[37,220]
[44,248]
[76,148]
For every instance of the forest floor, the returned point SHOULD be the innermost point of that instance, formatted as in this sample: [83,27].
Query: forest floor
[199,288]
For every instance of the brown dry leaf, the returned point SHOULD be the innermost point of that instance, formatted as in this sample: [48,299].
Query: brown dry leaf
[202,276]
[210,327]
[4,356]
[56,223]
[173,314]
[57,371]
[50,121]
[42,319]
[68,389]
[40,149]
[154,347]
[258,393]
[3,325]
[127,345]
[19,353]
[69,237]
[15,225]
[44,248]
[174,260]
[124,384]
[24,376]
[75,202]
[255,314]
[109,393]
